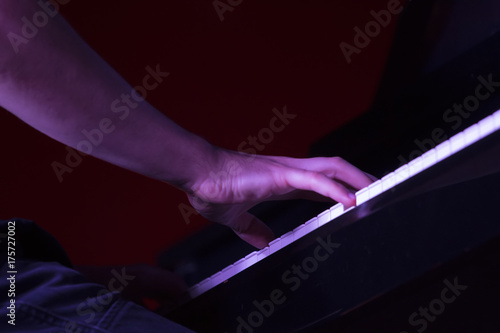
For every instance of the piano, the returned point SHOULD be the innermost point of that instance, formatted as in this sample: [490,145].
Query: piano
[423,214]
[421,250]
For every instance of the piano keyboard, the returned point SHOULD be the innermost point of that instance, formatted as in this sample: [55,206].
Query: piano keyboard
[447,148]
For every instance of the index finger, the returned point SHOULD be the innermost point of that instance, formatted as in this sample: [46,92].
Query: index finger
[319,183]
[333,167]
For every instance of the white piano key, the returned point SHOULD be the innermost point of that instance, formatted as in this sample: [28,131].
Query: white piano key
[415,166]
[299,232]
[216,278]
[429,159]
[336,211]
[239,266]
[286,239]
[205,285]
[311,225]
[362,196]
[251,259]
[443,151]
[227,273]
[275,245]
[457,142]
[486,126]
[324,218]
[433,156]
[388,181]
[472,134]
[401,174]
[263,253]
[194,290]
[348,209]
[375,188]
[496,119]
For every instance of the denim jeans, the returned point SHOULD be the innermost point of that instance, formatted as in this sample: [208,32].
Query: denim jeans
[41,292]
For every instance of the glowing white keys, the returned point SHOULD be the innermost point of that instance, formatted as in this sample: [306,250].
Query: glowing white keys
[362,196]
[240,265]
[472,134]
[375,188]
[299,232]
[336,211]
[286,239]
[251,259]
[263,253]
[324,218]
[457,142]
[275,245]
[227,273]
[205,285]
[433,156]
[496,119]
[388,181]
[216,278]
[401,174]
[443,150]
[311,225]
[415,166]
[486,126]
[429,159]
[194,290]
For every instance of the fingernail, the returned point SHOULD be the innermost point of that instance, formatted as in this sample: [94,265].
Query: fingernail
[351,195]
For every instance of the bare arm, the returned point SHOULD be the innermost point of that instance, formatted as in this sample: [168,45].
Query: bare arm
[59,85]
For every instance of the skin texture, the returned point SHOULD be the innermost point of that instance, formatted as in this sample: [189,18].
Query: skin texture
[60,86]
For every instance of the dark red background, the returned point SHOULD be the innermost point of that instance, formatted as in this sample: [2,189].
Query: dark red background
[225,79]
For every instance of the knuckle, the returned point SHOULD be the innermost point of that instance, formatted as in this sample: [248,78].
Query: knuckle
[337,160]
[315,177]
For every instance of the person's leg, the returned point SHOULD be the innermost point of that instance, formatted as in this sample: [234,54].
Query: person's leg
[47,296]
[50,297]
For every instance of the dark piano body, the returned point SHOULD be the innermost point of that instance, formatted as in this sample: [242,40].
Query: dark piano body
[422,224]
[424,256]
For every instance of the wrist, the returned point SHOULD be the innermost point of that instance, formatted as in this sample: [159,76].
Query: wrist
[194,163]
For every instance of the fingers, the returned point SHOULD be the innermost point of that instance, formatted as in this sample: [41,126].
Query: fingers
[373,178]
[252,230]
[304,195]
[269,177]
[333,167]
[236,216]
[319,183]
[349,174]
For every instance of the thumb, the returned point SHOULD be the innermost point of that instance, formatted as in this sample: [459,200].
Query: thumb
[252,230]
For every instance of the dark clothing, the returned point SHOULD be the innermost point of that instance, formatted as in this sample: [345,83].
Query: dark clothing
[41,292]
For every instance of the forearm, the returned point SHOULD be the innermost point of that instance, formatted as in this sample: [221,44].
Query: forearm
[59,85]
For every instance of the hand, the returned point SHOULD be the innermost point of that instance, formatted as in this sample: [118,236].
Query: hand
[142,281]
[238,181]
